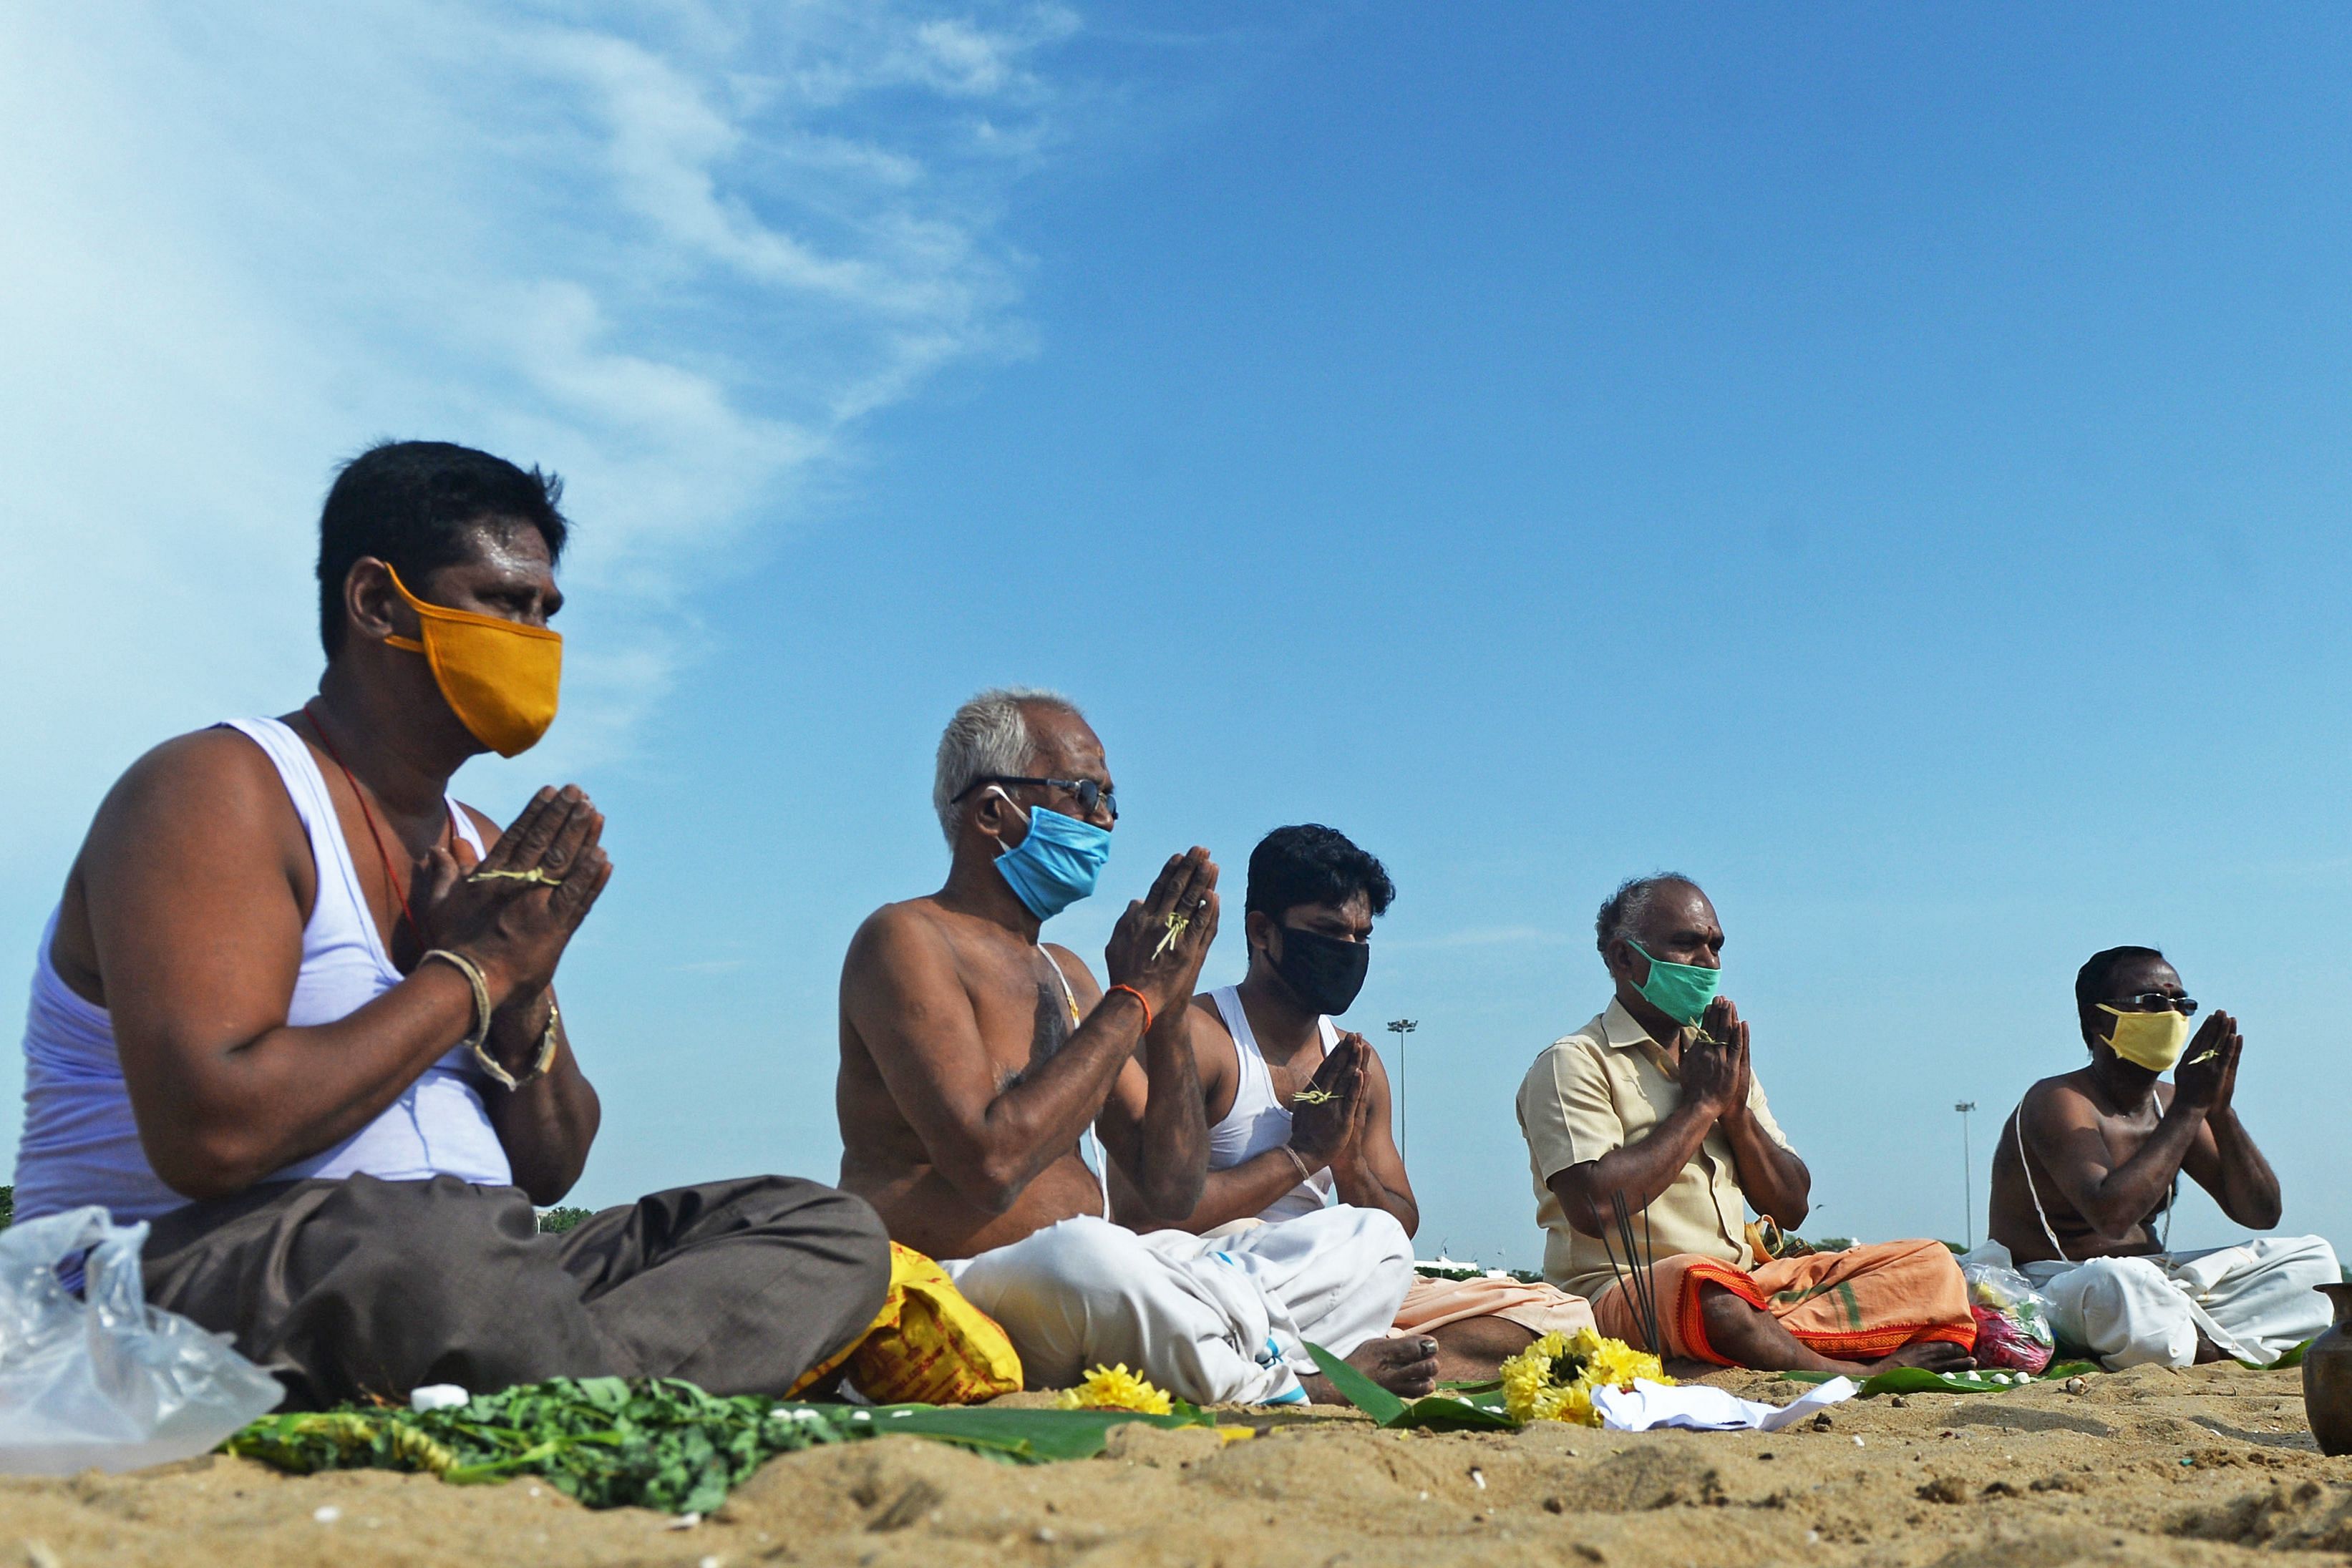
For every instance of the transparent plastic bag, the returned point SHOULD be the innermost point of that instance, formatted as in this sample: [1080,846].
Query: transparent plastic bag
[2013,1329]
[106,1382]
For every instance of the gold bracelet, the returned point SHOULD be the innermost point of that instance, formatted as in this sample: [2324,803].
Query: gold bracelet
[473,977]
[546,1045]
[497,1069]
[477,1041]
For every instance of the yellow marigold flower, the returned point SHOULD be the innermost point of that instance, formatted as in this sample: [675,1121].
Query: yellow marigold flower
[1116,1388]
[1573,1404]
[1533,1389]
[1553,1379]
[1614,1364]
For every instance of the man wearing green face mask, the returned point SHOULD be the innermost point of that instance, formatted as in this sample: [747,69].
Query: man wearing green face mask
[1655,1102]
[2085,1172]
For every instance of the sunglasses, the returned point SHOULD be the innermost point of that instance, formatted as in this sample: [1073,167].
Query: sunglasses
[2157,1002]
[1089,793]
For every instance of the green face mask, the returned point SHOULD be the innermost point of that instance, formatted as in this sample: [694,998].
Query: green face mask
[1681,992]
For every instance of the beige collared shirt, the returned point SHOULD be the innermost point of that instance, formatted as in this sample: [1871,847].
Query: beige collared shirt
[1606,1086]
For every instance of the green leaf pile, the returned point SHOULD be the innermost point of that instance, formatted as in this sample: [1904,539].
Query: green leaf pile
[660,1443]
[657,1443]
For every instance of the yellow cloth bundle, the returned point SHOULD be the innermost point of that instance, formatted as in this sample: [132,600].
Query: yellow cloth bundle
[929,1345]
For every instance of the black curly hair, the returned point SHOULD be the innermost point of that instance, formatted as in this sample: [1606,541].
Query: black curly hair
[1311,863]
[412,501]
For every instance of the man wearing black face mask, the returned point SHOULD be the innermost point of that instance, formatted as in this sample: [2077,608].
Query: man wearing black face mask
[1299,1110]
[1312,899]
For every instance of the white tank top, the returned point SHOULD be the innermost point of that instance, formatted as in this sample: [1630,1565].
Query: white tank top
[1258,1121]
[80,1145]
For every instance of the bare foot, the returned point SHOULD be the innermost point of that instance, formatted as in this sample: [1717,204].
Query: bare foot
[1406,1367]
[1473,1350]
[1930,1354]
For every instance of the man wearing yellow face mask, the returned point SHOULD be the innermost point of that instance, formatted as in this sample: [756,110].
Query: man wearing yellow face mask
[296,1007]
[2087,1169]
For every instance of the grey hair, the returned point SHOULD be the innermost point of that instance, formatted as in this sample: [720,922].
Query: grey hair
[987,736]
[1630,905]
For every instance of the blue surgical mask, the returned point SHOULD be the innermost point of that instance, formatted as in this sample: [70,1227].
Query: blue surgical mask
[1057,865]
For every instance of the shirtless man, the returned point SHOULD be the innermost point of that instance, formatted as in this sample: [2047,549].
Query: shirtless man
[1328,1163]
[296,1007]
[973,1060]
[2087,1167]
[1655,1102]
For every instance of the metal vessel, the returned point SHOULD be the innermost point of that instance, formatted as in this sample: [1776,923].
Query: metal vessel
[2327,1378]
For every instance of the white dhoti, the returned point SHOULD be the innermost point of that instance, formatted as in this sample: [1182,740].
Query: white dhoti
[1212,1319]
[2255,1301]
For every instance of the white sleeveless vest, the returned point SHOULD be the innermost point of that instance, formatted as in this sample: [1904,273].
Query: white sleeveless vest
[80,1145]
[1257,1122]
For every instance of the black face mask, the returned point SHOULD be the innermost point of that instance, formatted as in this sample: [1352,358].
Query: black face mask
[1323,972]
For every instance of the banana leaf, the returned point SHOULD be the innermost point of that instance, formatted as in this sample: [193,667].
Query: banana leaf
[1028,1436]
[2293,1357]
[1919,1380]
[1455,1411]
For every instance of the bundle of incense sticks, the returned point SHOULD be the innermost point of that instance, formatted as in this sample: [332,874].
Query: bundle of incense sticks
[1637,1278]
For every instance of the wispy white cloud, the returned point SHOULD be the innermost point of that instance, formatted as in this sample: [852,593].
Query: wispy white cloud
[674,250]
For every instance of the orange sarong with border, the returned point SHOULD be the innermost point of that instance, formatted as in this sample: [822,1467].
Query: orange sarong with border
[1855,1305]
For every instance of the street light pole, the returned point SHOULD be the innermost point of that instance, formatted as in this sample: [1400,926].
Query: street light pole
[1402,1028]
[1967,1175]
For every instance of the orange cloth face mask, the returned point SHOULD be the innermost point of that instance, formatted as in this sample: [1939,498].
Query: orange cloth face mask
[498,676]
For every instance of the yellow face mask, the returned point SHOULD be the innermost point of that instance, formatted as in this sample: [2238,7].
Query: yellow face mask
[498,676]
[2153,1040]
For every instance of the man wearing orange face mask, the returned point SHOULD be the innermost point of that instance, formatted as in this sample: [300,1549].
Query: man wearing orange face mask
[296,1007]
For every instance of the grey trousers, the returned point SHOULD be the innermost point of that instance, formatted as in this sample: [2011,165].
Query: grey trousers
[356,1288]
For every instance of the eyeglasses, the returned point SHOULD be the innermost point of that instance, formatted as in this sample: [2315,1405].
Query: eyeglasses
[2157,1002]
[1089,793]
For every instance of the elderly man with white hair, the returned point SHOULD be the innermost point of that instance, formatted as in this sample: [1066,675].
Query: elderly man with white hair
[974,1058]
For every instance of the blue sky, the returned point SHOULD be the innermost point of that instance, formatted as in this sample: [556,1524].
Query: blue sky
[1889,464]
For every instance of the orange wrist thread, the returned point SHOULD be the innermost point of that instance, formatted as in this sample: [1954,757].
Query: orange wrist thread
[1132,991]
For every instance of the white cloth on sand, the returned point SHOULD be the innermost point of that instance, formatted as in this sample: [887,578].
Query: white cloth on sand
[1212,1319]
[2255,1301]
[1702,1407]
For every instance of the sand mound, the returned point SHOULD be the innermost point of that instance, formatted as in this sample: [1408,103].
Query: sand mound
[2202,1466]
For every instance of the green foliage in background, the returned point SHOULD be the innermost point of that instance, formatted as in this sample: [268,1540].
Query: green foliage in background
[1472,1271]
[556,1221]
[657,1443]
[8,1206]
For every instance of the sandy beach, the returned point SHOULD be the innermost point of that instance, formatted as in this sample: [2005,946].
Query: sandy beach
[2150,1466]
